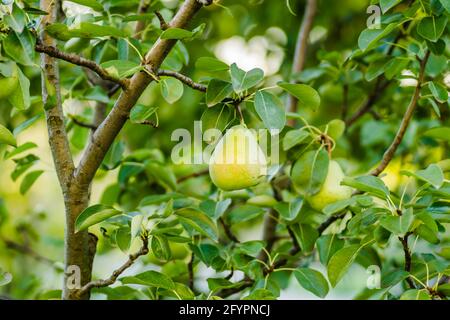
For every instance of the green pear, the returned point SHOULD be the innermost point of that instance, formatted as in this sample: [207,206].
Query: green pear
[237,161]
[331,190]
[8,85]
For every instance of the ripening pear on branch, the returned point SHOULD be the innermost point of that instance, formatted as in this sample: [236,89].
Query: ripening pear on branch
[331,190]
[8,84]
[237,161]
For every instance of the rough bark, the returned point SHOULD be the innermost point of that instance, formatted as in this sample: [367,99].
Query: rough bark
[77,250]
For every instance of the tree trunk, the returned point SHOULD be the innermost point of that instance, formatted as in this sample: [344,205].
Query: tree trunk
[79,248]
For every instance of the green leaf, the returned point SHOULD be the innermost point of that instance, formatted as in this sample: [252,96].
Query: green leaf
[393,277]
[150,278]
[270,110]
[335,128]
[260,294]
[337,206]
[310,170]
[160,248]
[289,210]
[20,47]
[96,94]
[370,184]
[432,174]
[171,89]
[431,28]
[251,248]
[368,39]
[20,97]
[340,262]
[93,215]
[398,225]
[121,68]
[7,137]
[244,80]
[22,148]
[122,238]
[244,213]
[163,174]
[114,156]
[159,198]
[415,294]
[29,180]
[16,20]
[215,284]
[446,5]
[211,64]
[388,4]
[217,91]
[438,91]
[141,113]
[307,96]
[217,117]
[176,33]
[305,235]
[312,281]
[293,138]
[440,133]
[89,3]
[199,221]
[327,246]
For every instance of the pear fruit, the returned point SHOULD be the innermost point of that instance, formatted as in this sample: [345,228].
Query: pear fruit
[8,85]
[237,161]
[331,190]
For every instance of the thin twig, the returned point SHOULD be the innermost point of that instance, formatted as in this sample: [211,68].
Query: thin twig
[54,52]
[116,273]
[301,49]
[83,124]
[389,154]
[193,175]
[344,101]
[162,22]
[10,244]
[376,93]
[191,271]
[227,230]
[408,258]
[186,80]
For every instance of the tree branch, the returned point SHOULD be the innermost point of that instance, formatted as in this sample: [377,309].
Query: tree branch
[98,118]
[111,126]
[228,232]
[27,250]
[408,258]
[51,96]
[162,22]
[301,49]
[191,271]
[376,93]
[116,273]
[186,80]
[140,25]
[82,124]
[193,175]
[54,52]
[389,154]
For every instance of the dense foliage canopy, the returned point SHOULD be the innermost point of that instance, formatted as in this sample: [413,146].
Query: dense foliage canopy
[354,199]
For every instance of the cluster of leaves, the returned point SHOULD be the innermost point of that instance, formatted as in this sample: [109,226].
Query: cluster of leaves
[189,223]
